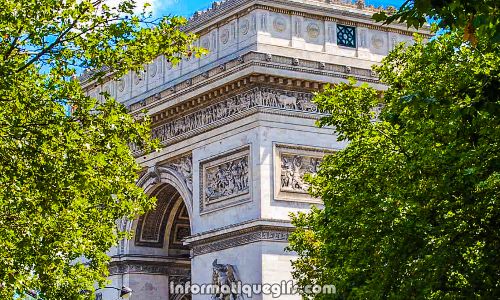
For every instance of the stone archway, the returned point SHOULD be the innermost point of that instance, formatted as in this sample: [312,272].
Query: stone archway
[167,225]
[158,234]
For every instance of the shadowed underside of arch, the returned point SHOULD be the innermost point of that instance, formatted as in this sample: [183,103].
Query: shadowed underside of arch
[166,225]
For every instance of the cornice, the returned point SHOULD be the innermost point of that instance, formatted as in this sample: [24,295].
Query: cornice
[180,268]
[356,14]
[249,60]
[240,234]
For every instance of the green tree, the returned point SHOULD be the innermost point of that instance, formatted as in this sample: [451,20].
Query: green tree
[67,177]
[482,16]
[411,205]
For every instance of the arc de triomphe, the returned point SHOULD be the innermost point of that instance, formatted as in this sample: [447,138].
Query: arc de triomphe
[239,132]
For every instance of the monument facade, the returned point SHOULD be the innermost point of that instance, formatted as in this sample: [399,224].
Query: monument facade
[238,127]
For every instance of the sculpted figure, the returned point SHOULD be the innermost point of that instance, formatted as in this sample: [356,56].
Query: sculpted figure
[288,101]
[224,275]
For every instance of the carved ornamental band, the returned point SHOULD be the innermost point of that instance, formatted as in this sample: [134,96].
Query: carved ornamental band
[257,97]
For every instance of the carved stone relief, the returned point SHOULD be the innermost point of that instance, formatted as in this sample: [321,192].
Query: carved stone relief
[293,169]
[377,41]
[184,166]
[225,180]
[261,96]
[245,26]
[224,37]
[206,43]
[292,163]
[242,237]
[224,275]
[279,24]
[313,30]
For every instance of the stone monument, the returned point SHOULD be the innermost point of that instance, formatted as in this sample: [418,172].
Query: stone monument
[238,127]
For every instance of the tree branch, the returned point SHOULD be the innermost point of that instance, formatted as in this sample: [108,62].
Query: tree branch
[13,44]
[53,44]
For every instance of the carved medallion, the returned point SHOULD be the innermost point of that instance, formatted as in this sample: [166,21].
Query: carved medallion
[279,24]
[206,43]
[121,84]
[224,37]
[245,26]
[313,30]
[377,42]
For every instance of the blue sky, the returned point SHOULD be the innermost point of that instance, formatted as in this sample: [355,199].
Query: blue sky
[187,7]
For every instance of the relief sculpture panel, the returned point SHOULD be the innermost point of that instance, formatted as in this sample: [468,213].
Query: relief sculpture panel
[293,169]
[292,163]
[225,180]
[216,113]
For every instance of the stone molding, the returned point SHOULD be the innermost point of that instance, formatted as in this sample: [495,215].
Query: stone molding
[150,267]
[248,60]
[338,9]
[241,237]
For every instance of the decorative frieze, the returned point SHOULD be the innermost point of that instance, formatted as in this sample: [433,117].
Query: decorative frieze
[242,237]
[260,96]
[225,180]
[147,267]
[292,163]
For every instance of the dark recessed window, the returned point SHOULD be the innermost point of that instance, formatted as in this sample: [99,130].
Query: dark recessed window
[98,296]
[346,36]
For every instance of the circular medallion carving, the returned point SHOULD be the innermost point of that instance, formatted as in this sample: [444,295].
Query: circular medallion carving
[245,27]
[279,24]
[224,36]
[313,30]
[377,41]
[206,43]
[152,69]
[121,84]
[137,78]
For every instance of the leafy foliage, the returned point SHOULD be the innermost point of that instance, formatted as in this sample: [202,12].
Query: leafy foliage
[412,204]
[465,15]
[66,177]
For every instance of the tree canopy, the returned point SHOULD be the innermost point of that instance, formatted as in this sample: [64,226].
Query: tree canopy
[411,205]
[470,16]
[66,176]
